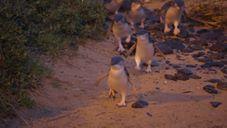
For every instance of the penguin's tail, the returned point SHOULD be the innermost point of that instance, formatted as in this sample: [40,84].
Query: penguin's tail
[99,80]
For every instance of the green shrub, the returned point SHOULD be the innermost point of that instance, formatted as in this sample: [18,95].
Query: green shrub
[39,26]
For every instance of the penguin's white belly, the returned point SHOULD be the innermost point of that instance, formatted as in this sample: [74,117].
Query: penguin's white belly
[172,14]
[118,81]
[145,52]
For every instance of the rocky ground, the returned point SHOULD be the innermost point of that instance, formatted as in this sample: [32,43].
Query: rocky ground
[186,89]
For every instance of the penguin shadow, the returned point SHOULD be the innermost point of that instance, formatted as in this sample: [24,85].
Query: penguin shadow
[166,97]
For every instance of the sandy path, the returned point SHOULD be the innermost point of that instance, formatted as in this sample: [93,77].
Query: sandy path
[69,99]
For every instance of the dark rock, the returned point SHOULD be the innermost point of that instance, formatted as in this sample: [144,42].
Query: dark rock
[149,114]
[126,6]
[212,64]
[167,62]
[168,46]
[193,76]
[184,71]
[184,33]
[216,56]
[187,92]
[214,80]
[165,48]
[212,34]
[224,61]
[176,66]
[155,63]
[170,77]
[222,85]
[220,47]
[210,89]
[203,59]
[180,76]
[175,44]
[215,104]
[202,31]
[199,54]
[157,88]
[196,47]
[188,50]
[191,66]
[224,70]
[140,104]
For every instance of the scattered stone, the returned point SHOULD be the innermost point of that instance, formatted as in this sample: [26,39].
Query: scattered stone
[210,89]
[140,104]
[224,70]
[170,77]
[220,47]
[202,59]
[216,34]
[224,61]
[184,71]
[215,104]
[149,114]
[213,64]
[155,63]
[165,49]
[168,46]
[216,56]
[157,88]
[187,92]
[188,50]
[182,74]
[199,54]
[193,76]
[167,62]
[222,85]
[196,47]
[176,66]
[191,66]
[214,80]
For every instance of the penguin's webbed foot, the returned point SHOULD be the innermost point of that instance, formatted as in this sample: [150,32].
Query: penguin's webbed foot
[121,104]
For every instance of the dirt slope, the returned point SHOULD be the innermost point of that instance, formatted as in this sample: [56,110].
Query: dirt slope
[69,99]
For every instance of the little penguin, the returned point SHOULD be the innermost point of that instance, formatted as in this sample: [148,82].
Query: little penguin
[121,30]
[113,6]
[118,79]
[171,13]
[137,14]
[144,50]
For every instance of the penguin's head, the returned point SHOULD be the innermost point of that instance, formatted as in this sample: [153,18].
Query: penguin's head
[119,18]
[142,35]
[117,62]
[179,3]
[135,5]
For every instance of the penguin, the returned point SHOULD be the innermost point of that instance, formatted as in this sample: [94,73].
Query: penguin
[113,6]
[121,30]
[144,50]
[136,15]
[118,79]
[171,14]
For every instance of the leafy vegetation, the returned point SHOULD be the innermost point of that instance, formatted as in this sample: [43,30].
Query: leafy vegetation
[39,26]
